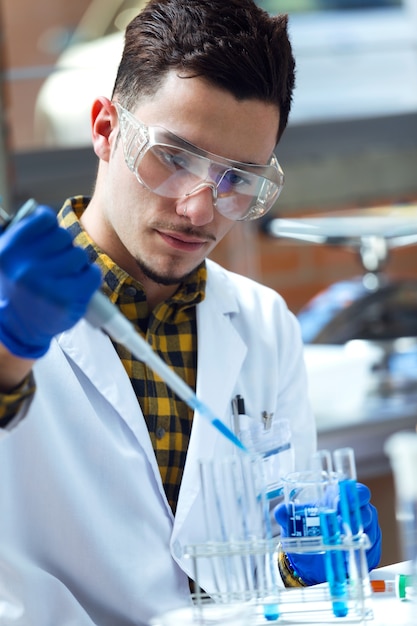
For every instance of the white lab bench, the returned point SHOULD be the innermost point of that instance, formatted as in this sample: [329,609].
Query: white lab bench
[388,609]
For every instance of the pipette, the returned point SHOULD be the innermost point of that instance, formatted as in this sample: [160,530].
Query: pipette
[103,314]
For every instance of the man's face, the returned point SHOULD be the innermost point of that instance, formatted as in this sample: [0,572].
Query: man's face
[164,239]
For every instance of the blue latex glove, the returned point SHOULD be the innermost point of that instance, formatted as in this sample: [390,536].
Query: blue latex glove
[371,526]
[45,283]
[311,567]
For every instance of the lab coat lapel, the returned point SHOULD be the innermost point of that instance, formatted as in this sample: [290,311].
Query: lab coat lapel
[109,378]
[221,352]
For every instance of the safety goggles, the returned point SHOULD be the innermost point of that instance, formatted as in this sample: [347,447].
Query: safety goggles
[174,168]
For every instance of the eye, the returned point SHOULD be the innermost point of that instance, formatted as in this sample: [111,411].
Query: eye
[234,178]
[174,159]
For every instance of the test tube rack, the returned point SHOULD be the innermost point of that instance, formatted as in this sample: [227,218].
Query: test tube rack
[267,600]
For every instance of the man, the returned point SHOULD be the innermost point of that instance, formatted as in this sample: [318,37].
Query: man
[99,472]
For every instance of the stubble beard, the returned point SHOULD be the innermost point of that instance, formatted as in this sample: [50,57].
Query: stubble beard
[161,279]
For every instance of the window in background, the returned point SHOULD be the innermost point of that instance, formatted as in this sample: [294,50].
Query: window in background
[296,6]
[355,58]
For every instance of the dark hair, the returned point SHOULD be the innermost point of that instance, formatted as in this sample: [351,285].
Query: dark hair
[233,44]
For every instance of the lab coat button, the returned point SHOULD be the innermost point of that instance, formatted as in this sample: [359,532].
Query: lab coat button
[160,432]
[177,549]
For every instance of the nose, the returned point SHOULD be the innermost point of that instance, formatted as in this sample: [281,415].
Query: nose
[198,205]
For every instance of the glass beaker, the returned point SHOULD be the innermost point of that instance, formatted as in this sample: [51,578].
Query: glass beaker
[305,495]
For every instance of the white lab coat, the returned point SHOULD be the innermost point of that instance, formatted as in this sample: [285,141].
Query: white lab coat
[86,533]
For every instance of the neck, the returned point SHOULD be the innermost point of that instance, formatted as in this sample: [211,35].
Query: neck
[156,293]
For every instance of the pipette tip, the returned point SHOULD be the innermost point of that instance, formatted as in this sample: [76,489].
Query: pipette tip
[228,434]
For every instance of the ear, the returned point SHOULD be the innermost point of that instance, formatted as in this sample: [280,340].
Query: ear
[104,121]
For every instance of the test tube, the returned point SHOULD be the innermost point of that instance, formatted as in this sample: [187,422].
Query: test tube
[345,467]
[336,573]
[238,527]
[398,586]
[322,461]
[344,461]
[334,562]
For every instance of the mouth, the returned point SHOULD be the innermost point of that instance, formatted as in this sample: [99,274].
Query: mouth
[183,241]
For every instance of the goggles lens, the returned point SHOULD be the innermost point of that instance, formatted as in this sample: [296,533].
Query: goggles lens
[173,168]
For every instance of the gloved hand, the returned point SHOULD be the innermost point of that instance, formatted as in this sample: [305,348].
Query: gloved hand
[45,283]
[310,567]
[370,526]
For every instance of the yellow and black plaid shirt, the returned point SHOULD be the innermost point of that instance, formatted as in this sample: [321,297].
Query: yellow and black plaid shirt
[170,329]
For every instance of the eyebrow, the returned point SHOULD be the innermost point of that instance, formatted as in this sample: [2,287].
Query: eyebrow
[203,152]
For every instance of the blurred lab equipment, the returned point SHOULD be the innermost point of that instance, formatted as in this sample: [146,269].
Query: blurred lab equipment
[362,329]
[371,306]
